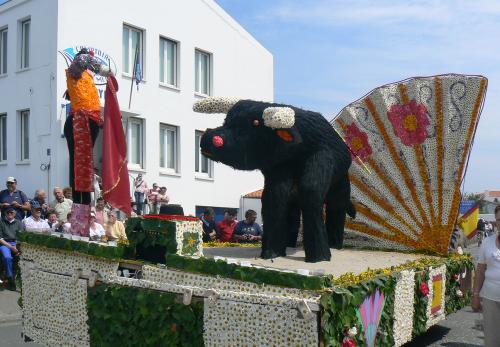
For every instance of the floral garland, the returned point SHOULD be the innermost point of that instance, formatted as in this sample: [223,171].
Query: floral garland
[216,244]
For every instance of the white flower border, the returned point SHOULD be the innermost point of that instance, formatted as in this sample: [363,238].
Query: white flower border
[404,307]
[194,227]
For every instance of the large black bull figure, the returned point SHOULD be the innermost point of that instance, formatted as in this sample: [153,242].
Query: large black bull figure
[304,163]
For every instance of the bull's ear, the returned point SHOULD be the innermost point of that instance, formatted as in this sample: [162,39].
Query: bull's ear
[290,135]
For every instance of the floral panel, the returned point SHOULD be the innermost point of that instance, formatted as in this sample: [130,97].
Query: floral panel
[232,323]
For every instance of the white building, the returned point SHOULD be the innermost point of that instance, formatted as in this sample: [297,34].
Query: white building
[188,49]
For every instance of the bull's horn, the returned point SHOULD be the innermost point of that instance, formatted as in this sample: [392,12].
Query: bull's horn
[214,104]
[279,117]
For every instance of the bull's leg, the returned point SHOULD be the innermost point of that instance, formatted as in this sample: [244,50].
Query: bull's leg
[293,223]
[337,203]
[275,201]
[313,188]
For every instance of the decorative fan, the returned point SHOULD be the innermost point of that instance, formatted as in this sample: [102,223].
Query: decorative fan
[410,143]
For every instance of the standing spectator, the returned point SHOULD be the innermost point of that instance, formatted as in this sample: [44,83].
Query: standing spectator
[101,211]
[9,228]
[53,222]
[162,198]
[97,183]
[61,205]
[11,197]
[247,230]
[209,229]
[115,230]
[487,286]
[96,230]
[153,193]
[40,198]
[35,221]
[141,187]
[226,226]
[68,193]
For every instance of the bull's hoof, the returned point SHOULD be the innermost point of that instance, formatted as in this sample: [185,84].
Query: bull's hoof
[270,254]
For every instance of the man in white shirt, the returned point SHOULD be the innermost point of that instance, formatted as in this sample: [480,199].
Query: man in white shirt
[61,205]
[96,229]
[35,221]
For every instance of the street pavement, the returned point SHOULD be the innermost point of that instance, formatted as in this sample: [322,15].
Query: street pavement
[457,330]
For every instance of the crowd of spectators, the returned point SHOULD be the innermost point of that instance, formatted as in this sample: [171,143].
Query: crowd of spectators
[19,213]
[229,229]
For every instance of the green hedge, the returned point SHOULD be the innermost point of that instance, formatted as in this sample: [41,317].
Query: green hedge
[127,316]
[250,274]
[108,252]
[150,233]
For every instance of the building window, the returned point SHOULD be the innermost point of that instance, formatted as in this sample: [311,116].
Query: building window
[25,43]
[168,62]
[134,142]
[3,137]
[202,72]
[24,135]
[203,165]
[168,147]
[3,51]
[132,40]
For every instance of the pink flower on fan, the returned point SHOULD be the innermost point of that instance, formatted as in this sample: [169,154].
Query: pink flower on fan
[357,141]
[410,122]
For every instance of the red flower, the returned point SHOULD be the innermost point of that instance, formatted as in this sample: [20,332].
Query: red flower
[348,342]
[173,328]
[357,141]
[456,277]
[424,289]
[410,122]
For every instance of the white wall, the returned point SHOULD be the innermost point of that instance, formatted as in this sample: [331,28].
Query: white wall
[32,89]
[241,67]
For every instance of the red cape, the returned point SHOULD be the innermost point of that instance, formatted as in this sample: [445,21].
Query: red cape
[115,181]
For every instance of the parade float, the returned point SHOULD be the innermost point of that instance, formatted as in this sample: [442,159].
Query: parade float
[409,143]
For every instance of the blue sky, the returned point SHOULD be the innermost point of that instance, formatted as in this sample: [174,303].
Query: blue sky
[330,53]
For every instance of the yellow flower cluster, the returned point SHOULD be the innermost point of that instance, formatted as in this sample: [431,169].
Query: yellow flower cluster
[349,278]
[229,244]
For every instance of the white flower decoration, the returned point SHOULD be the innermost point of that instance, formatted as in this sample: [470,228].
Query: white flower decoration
[279,117]
[460,250]
[459,293]
[352,332]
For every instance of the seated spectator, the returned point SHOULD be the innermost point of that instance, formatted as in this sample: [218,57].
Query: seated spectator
[67,225]
[96,229]
[61,205]
[115,230]
[247,230]
[35,221]
[9,229]
[40,198]
[12,197]
[226,226]
[68,193]
[101,211]
[53,222]
[209,229]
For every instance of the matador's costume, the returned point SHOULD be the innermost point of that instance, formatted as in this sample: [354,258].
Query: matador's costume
[81,130]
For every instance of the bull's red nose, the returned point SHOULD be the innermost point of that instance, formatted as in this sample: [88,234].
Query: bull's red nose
[217,141]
